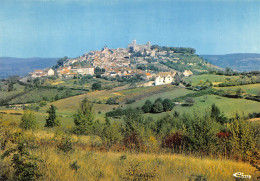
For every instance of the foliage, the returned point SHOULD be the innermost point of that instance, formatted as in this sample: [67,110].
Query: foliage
[65,144]
[217,115]
[157,107]
[147,107]
[112,100]
[189,101]
[75,166]
[28,120]
[137,172]
[52,119]
[167,105]
[84,118]
[243,140]
[111,133]
[25,165]
[96,86]
[61,61]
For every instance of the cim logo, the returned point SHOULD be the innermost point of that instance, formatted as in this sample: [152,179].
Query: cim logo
[241,175]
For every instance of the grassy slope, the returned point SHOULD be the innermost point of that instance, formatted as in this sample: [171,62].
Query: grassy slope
[228,105]
[18,89]
[213,78]
[96,165]
[250,89]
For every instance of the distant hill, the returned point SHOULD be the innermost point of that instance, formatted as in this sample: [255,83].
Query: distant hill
[22,66]
[237,61]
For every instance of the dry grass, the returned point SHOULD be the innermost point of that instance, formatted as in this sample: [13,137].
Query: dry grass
[109,166]
[103,165]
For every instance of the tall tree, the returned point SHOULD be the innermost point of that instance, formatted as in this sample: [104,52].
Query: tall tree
[84,118]
[167,105]
[157,107]
[147,107]
[52,119]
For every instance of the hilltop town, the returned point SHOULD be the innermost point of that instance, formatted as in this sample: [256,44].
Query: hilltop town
[155,64]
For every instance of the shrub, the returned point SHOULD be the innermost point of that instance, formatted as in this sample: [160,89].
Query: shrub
[129,101]
[96,86]
[174,141]
[147,107]
[65,145]
[189,101]
[25,165]
[137,172]
[28,120]
[167,105]
[157,107]
[112,100]
[74,166]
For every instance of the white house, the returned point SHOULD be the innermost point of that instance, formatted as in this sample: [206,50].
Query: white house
[164,78]
[49,72]
[86,71]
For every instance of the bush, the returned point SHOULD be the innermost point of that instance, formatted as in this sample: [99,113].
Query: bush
[25,165]
[189,101]
[65,145]
[74,166]
[157,107]
[167,105]
[28,120]
[112,100]
[174,141]
[147,107]
[96,86]
[129,101]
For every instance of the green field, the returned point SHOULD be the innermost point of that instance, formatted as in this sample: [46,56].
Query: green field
[177,92]
[196,79]
[4,93]
[228,105]
[253,89]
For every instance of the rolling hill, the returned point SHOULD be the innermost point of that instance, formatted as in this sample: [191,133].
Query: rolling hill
[22,66]
[237,61]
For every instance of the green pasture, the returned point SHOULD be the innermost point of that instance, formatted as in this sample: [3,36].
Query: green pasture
[253,89]
[195,79]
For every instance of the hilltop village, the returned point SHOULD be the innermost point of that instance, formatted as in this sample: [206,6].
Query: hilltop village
[148,61]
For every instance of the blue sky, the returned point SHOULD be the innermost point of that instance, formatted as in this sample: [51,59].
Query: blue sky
[57,28]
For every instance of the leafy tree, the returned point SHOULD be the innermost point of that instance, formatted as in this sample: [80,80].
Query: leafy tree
[111,134]
[201,132]
[10,87]
[96,86]
[61,61]
[28,120]
[167,105]
[157,107]
[147,107]
[52,119]
[84,118]
[133,128]
[243,140]
[159,99]
[189,101]
[217,115]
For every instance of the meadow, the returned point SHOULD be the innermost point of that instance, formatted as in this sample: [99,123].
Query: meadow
[253,89]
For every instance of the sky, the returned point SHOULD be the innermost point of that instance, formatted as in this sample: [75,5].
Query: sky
[57,28]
